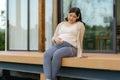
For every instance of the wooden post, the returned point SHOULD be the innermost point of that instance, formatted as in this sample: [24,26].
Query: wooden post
[41,26]
[42,76]
[55,14]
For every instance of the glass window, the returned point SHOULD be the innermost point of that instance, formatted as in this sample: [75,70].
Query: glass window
[49,22]
[33,24]
[99,20]
[18,24]
[2,24]
[23,24]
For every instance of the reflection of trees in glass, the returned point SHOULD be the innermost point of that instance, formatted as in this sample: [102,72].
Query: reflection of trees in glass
[92,13]
[95,30]
[97,15]
[67,5]
[2,30]
[2,19]
[2,39]
[92,32]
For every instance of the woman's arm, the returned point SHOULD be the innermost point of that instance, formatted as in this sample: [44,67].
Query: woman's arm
[56,31]
[80,40]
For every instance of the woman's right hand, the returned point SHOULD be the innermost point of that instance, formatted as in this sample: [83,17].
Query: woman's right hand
[58,40]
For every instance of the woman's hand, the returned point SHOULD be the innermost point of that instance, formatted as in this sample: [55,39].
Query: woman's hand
[79,56]
[58,40]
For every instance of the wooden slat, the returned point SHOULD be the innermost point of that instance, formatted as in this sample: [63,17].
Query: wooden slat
[89,60]
[109,61]
[22,57]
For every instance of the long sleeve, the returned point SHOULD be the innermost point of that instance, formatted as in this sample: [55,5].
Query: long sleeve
[80,37]
[56,31]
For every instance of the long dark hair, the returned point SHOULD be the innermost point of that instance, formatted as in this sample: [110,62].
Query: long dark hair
[77,12]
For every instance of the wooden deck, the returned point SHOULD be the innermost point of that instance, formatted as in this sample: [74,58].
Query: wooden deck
[89,60]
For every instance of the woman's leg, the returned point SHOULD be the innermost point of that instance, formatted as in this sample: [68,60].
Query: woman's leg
[47,61]
[57,57]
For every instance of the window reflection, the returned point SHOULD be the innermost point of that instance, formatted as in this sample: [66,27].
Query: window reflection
[2,24]
[98,16]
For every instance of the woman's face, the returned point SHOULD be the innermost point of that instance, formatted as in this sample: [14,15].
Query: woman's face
[72,17]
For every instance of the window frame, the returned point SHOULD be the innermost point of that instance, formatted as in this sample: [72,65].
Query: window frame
[41,28]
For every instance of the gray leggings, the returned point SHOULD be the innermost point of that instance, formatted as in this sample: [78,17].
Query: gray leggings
[53,57]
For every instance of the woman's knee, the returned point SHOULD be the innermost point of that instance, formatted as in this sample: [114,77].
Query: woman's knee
[48,53]
[57,55]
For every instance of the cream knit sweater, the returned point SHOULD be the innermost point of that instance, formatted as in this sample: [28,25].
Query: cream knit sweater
[72,34]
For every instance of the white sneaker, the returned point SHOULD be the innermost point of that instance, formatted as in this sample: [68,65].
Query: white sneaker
[48,79]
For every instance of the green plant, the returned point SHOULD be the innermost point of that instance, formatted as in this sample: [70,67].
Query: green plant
[2,39]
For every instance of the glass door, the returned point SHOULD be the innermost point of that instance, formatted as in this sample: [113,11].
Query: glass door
[22,24]
[17,15]
[98,16]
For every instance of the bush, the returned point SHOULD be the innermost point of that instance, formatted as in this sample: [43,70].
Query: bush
[2,39]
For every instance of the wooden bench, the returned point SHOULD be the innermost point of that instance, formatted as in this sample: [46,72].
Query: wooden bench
[90,67]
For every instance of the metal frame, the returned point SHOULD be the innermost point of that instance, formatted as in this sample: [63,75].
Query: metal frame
[78,73]
[28,30]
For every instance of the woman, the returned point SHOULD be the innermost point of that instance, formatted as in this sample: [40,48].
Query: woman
[68,39]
